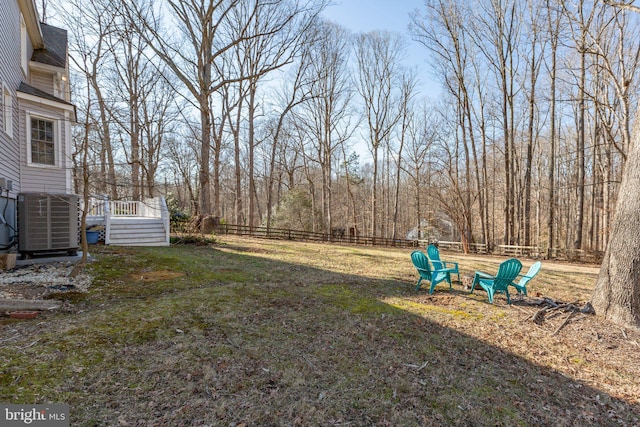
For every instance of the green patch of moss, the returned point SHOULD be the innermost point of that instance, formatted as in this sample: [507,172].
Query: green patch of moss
[348,299]
[427,309]
[228,275]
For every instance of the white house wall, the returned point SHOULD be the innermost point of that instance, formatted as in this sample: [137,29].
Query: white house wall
[42,81]
[10,77]
[43,178]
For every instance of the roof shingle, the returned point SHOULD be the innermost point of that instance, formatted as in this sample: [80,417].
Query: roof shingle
[30,90]
[55,47]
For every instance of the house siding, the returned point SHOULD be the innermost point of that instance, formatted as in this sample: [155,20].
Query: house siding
[42,81]
[48,179]
[10,77]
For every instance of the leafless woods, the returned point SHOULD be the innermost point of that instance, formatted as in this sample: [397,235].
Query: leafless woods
[263,113]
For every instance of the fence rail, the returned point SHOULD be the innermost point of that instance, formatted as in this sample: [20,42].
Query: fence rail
[535,252]
[286,234]
[481,248]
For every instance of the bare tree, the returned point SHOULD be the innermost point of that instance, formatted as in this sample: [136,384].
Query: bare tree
[86,181]
[91,23]
[129,68]
[407,94]
[273,37]
[325,117]
[554,19]
[182,151]
[496,32]
[294,94]
[534,61]
[422,133]
[199,37]
[582,19]
[615,296]
[443,31]
[617,291]
[158,116]
[378,57]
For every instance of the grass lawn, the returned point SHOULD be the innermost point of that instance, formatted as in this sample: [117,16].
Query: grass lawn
[249,332]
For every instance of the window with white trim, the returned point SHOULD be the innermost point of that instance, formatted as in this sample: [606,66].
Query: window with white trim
[42,141]
[7,111]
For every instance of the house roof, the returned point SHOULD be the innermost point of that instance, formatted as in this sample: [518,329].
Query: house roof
[55,47]
[30,90]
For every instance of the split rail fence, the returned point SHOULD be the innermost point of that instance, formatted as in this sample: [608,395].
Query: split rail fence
[534,252]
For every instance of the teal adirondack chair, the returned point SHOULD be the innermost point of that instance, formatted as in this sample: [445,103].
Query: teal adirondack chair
[421,262]
[434,256]
[521,286]
[507,273]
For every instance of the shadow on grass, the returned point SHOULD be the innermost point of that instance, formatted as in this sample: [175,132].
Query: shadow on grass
[243,338]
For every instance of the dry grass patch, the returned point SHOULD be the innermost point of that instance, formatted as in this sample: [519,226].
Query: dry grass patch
[262,332]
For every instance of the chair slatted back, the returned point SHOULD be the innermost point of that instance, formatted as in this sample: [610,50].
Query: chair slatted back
[421,262]
[434,255]
[507,273]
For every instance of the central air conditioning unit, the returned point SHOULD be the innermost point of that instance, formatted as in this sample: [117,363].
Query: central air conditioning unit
[47,223]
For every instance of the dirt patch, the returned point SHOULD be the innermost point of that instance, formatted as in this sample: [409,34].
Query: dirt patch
[155,276]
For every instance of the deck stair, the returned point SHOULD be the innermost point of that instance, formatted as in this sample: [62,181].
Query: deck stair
[135,231]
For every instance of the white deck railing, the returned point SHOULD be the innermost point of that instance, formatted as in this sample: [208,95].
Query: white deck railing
[154,207]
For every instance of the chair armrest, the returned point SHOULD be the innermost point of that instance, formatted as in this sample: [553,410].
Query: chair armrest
[450,262]
[522,276]
[484,275]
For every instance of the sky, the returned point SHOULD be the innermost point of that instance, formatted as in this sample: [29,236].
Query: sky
[391,15]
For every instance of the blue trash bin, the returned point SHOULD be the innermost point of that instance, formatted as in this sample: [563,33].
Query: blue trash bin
[92,237]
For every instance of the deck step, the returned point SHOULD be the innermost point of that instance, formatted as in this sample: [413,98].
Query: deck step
[137,232]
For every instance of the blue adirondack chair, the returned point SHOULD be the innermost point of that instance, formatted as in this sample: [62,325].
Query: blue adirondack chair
[434,256]
[507,273]
[421,262]
[521,286]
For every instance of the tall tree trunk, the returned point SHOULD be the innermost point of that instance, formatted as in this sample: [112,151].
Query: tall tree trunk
[580,152]
[529,159]
[205,151]
[110,176]
[507,168]
[251,142]
[239,209]
[554,32]
[478,177]
[396,199]
[217,130]
[617,293]
[327,175]
[374,191]
[580,178]
[134,137]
